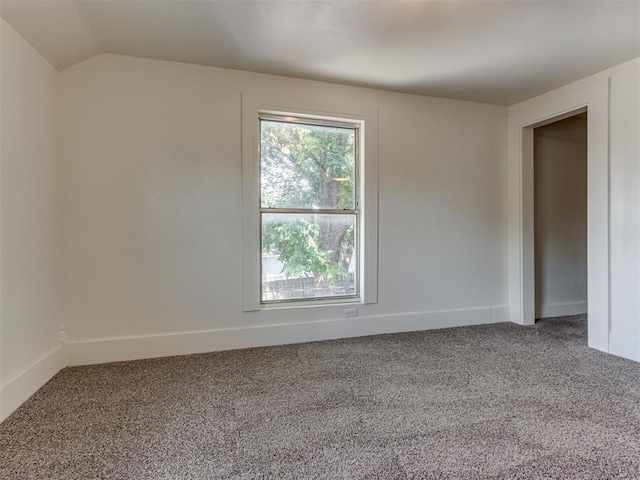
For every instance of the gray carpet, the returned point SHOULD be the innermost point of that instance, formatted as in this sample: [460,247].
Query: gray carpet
[497,401]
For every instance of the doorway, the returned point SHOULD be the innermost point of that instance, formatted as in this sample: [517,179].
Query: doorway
[592,98]
[560,217]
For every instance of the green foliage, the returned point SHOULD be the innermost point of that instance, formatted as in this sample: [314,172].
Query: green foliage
[299,250]
[300,165]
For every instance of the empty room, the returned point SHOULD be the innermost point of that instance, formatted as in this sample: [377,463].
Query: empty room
[319,239]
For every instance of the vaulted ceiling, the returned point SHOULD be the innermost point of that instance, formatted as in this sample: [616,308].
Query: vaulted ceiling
[498,52]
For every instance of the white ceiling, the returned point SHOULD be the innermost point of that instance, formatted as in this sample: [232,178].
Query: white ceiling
[498,52]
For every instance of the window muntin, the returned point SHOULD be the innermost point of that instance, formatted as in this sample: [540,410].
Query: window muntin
[309,216]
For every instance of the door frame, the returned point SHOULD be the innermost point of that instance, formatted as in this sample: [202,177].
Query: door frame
[594,99]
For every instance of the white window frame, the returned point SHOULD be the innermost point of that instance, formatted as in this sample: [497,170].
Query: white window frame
[253,105]
[354,211]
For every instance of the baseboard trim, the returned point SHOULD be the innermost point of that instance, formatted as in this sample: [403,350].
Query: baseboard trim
[107,350]
[18,389]
[625,346]
[562,309]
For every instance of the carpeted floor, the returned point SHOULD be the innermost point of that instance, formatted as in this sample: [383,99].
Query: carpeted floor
[496,401]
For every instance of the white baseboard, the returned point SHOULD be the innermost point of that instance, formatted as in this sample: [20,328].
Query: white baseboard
[562,309]
[19,388]
[106,350]
[624,346]
[500,314]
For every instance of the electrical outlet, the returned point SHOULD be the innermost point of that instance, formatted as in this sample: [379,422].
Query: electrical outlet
[351,313]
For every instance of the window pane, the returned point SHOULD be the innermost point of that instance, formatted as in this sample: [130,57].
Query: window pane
[308,256]
[307,166]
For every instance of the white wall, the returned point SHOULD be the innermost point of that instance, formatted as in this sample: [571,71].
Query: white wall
[624,207]
[561,217]
[151,182]
[29,350]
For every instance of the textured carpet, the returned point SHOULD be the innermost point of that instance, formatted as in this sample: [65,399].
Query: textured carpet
[496,401]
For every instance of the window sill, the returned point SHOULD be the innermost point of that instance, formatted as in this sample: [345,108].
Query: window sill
[338,302]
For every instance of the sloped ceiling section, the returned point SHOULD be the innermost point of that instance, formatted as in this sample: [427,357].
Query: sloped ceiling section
[55,28]
[498,52]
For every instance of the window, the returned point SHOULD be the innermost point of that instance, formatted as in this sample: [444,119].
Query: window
[308,208]
[309,203]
